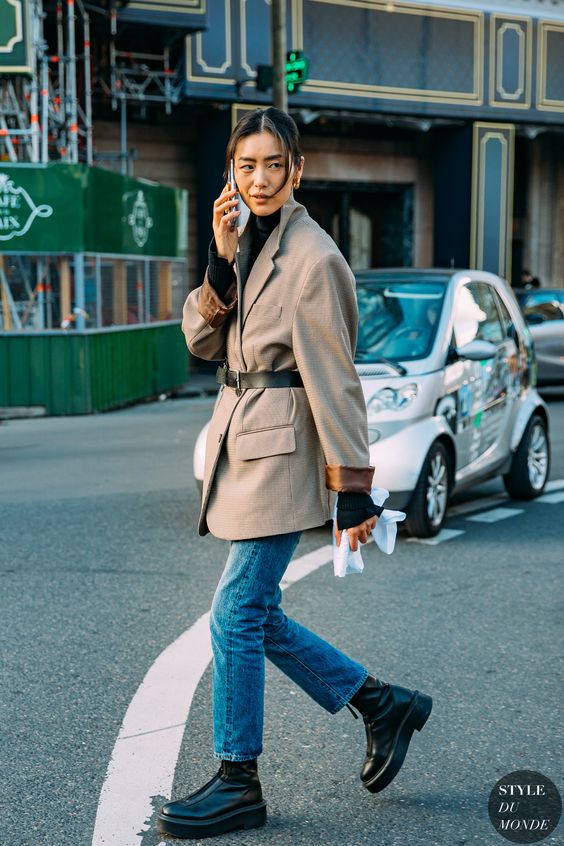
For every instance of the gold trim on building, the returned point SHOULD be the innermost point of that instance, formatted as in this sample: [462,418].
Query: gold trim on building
[523,26]
[504,134]
[543,102]
[181,7]
[223,80]
[349,89]
[297,24]
[241,107]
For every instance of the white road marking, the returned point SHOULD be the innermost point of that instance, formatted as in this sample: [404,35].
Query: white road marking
[475,505]
[495,514]
[555,485]
[144,757]
[551,498]
[443,535]
[306,564]
[478,504]
[146,751]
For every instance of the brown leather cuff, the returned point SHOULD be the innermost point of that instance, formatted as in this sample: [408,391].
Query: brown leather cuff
[353,479]
[211,307]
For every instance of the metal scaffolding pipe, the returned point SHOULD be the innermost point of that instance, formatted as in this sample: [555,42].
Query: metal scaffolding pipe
[87,89]
[36,42]
[44,109]
[123,135]
[70,68]
[79,298]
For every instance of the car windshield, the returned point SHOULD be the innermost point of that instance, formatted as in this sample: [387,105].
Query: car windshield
[398,318]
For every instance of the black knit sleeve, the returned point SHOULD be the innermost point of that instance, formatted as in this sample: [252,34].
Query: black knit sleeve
[354,508]
[220,272]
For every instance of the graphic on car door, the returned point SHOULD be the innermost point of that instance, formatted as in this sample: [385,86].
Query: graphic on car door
[486,388]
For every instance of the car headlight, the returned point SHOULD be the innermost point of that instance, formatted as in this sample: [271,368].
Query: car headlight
[392,399]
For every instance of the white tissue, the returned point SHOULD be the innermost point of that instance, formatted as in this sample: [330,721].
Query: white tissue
[345,561]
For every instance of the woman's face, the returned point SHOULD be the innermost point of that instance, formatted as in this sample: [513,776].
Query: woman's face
[259,173]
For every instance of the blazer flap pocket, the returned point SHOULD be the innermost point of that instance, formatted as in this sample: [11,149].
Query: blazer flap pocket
[265,312]
[259,443]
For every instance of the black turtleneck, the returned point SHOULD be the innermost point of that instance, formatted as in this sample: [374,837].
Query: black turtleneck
[352,508]
[220,272]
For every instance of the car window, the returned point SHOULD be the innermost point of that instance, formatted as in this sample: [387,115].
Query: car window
[505,315]
[475,315]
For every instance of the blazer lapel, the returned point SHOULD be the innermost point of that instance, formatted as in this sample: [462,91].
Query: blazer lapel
[264,264]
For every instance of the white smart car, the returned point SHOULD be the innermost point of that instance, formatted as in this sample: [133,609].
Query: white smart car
[448,371]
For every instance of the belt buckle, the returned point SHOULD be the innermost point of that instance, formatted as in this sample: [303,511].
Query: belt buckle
[238,390]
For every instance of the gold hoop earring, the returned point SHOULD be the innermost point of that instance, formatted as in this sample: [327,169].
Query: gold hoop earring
[297,183]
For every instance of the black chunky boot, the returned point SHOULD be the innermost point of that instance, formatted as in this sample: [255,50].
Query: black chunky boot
[391,714]
[231,799]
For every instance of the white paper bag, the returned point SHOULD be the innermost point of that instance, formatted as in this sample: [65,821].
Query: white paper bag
[345,561]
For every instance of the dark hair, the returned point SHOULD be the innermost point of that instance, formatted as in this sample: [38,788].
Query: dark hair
[272,120]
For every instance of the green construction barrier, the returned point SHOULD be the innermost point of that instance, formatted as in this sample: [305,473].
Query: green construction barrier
[95,370]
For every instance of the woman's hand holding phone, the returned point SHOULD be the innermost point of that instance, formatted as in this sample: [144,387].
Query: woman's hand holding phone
[224,212]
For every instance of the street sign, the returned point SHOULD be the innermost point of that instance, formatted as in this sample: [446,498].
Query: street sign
[297,70]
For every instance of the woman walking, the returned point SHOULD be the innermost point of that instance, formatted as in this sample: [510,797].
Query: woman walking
[288,435]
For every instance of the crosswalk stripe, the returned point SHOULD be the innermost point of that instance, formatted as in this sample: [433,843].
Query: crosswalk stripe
[444,535]
[478,504]
[495,514]
[475,505]
[551,498]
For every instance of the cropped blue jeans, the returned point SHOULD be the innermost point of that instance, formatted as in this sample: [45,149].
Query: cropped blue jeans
[247,624]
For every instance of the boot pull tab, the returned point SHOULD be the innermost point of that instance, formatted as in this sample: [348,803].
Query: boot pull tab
[352,712]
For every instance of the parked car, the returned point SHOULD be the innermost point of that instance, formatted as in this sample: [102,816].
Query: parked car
[447,368]
[543,309]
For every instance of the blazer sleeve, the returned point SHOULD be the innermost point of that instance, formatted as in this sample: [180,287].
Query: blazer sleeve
[324,335]
[204,318]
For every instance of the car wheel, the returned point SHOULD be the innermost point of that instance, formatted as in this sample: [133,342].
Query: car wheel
[531,462]
[427,509]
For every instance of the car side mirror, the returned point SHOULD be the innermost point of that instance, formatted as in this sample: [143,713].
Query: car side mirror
[476,350]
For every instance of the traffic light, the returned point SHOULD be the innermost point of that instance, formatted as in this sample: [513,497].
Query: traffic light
[297,70]
[265,77]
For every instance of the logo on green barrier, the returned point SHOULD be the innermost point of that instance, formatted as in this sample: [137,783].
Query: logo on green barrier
[140,220]
[17,209]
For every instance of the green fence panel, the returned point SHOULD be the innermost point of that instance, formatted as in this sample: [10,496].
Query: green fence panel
[96,370]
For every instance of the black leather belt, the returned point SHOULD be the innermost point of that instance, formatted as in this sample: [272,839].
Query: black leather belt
[239,379]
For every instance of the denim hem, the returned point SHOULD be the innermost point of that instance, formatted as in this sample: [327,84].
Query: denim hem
[351,693]
[227,756]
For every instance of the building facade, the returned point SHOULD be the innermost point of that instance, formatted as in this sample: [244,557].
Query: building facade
[433,132]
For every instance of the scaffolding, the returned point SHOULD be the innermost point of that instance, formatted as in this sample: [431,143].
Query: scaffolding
[46,113]
[43,116]
[46,117]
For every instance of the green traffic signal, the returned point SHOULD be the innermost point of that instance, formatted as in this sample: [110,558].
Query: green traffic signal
[297,70]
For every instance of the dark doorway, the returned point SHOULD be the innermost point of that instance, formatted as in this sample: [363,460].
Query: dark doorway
[372,224]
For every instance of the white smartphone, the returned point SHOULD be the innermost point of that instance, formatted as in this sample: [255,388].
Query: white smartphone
[233,221]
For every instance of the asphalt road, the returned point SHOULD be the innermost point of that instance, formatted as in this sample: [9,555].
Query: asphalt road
[102,569]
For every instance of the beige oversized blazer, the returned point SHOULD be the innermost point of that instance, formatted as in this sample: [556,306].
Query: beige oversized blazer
[275,457]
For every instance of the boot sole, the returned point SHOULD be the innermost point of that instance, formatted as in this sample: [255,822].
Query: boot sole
[254,816]
[415,718]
